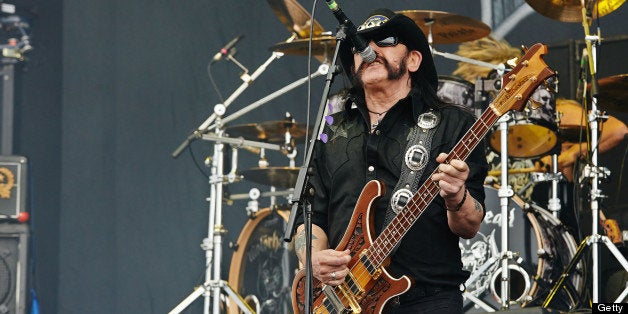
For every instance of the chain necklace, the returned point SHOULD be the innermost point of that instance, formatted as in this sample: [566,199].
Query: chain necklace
[379,117]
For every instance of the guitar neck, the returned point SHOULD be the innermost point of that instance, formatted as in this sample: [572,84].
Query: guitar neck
[394,232]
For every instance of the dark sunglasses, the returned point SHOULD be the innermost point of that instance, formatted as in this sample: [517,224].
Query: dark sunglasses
[389,41]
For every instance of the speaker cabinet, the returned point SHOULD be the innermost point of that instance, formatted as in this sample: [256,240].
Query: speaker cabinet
[12,186]
[13,266]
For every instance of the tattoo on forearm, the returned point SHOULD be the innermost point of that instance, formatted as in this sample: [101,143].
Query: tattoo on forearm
[299,242]
[478,206]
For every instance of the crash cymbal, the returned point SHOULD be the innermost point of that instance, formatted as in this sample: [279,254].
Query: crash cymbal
[448,28]
[270,131]
[281,177]
[295,17]
[613,93]
[321,46]
[571,10]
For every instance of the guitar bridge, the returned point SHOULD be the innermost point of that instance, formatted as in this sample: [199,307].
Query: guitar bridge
[336,301]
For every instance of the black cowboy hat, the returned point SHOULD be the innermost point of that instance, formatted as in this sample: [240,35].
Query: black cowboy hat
[384,22]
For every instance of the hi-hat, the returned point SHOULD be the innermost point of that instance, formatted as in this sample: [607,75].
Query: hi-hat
[269,131]
[571,10]
[321,46]
[281,177]
[613,94]
[295,17]
[448,28]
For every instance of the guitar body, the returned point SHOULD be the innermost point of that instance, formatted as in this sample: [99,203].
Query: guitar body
[358,237]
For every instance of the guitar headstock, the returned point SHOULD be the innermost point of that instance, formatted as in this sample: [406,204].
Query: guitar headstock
[521,82]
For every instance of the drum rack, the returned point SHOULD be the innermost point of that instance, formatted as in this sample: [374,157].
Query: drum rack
[212,245]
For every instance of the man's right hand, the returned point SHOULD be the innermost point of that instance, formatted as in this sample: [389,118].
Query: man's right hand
[330,266]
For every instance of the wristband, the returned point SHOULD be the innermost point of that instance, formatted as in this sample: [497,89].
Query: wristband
[464,198]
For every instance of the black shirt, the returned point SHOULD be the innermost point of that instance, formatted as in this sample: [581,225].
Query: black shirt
[429,252]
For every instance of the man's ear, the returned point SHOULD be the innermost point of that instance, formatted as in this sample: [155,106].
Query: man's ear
[414,60]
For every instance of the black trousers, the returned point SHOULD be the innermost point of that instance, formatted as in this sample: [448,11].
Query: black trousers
[430,300]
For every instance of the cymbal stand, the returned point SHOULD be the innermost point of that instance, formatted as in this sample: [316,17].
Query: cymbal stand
[595,174]
[322,70]
[504,193]
[212,245]
[247,81]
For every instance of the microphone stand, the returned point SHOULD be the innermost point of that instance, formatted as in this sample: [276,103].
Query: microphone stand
[300,199]
[221,108]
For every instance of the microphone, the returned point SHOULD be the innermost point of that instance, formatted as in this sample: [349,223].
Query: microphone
[582,77]
[225,50]
[359,43]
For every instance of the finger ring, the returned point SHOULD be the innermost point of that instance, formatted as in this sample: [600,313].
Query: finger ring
[333,275]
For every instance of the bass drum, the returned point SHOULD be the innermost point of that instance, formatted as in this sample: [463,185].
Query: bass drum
[541,246]
[263,265]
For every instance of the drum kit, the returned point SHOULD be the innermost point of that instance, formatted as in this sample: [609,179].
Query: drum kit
[522,254]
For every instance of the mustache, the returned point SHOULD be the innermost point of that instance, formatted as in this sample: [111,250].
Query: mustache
[378,58]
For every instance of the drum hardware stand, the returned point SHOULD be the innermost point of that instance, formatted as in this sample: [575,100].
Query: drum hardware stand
[212,245]
[322,70]
[553,205]
[204,127]
[480,271]
[505,192]
[593,172]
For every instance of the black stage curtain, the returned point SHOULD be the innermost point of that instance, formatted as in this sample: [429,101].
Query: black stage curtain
[114,87]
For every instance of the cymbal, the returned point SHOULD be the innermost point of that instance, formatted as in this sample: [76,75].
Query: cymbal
[269,131]
[613,93]
[321,46]
[448,28]
[281,177]
[295,17]
[571,10]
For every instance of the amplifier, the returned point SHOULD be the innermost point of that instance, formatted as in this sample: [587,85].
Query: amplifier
[13,182]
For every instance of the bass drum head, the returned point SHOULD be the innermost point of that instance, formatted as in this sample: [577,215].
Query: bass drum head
[263,265]
[541,246]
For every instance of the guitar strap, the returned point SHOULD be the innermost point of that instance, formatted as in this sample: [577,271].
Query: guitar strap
[415,160]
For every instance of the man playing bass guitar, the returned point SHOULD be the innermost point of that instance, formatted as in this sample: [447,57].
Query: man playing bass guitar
[395,130]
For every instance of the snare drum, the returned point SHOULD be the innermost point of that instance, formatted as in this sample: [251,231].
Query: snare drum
[454,90]
[533,131]
[543,248]
[263,265]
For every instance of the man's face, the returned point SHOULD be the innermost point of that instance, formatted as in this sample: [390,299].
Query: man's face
[389,65]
